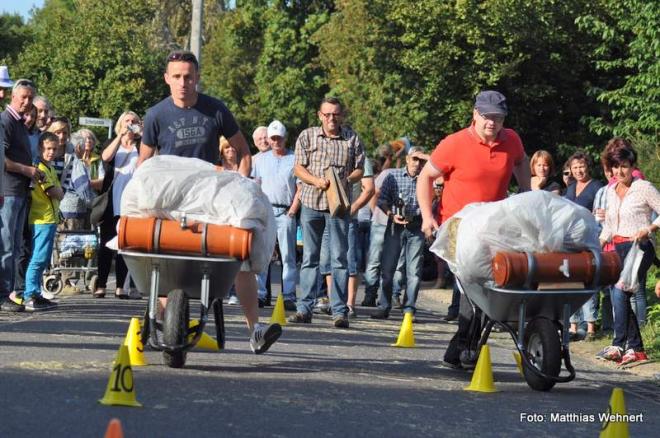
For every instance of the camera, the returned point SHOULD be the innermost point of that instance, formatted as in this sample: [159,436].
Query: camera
[135,129]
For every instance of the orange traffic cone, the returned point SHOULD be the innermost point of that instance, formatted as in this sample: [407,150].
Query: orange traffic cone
[134,343]
[114,429]
[482,379]
[121,390]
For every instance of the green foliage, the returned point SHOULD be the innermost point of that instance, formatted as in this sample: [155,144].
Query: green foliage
[14,35]
[651,331]
[73,63]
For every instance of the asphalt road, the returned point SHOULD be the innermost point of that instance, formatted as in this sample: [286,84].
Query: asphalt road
[316,381]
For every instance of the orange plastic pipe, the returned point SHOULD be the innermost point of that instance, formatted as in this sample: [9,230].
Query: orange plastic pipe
[167,237]
[510,269]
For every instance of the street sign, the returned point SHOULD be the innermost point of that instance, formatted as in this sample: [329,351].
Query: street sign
[92,121]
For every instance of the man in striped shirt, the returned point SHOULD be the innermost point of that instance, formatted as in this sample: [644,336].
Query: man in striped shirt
[319,148]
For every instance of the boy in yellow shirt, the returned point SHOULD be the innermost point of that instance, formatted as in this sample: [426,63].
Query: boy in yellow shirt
[43,220]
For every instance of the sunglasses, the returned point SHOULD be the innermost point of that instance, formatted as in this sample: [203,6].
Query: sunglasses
[23,83]
[567,173]
[183,56]
[438,186]
[497,118]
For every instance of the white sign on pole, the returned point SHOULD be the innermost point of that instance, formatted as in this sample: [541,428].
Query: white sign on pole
[92,121]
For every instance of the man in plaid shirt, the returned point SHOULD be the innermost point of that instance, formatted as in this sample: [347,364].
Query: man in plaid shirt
[404,230]
[318,149]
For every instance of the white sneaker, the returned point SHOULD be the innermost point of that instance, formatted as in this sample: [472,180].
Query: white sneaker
[263,336]
[233,300]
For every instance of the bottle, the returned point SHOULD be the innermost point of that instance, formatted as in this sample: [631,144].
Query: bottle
[399,206]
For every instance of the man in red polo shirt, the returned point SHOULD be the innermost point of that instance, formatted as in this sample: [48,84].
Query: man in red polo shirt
[476,164]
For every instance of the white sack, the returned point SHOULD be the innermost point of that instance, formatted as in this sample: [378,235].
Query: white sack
[536,221]
[167,186]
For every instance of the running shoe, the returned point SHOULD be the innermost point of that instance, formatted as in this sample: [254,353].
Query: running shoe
[610,353]
[263,336]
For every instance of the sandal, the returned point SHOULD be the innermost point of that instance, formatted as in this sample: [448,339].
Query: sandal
[99,293]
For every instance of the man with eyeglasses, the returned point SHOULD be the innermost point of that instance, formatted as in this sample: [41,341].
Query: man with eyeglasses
[190,124]
[398,200]
[319,148]
[17,175]
[477,164]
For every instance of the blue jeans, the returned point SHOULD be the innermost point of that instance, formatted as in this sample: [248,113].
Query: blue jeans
[286,240]
[398,239]
[629,308]
[588,312]
[362,244]
[352,247]
[43,237]
[314,222]
[372,271]
[13,214]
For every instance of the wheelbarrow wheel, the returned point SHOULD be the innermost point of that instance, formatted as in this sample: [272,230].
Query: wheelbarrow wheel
[544,352]
[175,327]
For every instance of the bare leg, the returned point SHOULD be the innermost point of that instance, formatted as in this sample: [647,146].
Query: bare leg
[353,281]
[246,290]
[591,327]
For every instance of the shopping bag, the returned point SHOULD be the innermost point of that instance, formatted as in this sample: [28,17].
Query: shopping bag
[338,202]
[628,281]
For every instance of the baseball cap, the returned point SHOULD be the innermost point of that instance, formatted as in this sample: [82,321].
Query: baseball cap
[5,82]
[491,102]
[276,128]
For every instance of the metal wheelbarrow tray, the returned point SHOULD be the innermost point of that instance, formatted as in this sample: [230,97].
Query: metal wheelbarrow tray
[179,278]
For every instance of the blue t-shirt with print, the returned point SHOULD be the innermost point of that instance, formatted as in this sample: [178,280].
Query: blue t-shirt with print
[189,132]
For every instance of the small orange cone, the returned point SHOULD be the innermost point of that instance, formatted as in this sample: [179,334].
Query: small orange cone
[206,342]
[133,341]
[482,379]
[406,336]
[278,316]
[114,429]
[610,427]
[121,390]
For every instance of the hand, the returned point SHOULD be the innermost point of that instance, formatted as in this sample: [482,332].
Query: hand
[429,227]
[291,213]
[642,235]
[399,219]
[322,183]
[600,214]
[34,174]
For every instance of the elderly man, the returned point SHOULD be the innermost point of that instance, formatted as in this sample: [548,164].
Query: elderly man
[260,139]
[18,173]
[274,172]
[44,113]
[398,200]
[476,163]
[319,148]
[189,124]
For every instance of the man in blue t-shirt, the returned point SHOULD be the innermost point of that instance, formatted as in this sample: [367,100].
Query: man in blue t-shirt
[189,124]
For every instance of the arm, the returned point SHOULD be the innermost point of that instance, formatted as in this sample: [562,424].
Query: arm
[295,205]
[368,191]
[244,158]
[29,171]
[523,174]
[146,152]
[55,192]
[652,197]
[110,150]
[355,176]
[425,197]
[303,174]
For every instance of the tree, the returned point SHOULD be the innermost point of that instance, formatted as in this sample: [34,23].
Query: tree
[95,58]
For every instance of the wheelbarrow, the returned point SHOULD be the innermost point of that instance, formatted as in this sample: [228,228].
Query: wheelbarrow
[180,261]
[538,320]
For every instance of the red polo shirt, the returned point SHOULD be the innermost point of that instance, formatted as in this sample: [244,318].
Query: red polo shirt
[473,170]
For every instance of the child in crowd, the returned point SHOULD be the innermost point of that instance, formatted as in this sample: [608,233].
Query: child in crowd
[43,220]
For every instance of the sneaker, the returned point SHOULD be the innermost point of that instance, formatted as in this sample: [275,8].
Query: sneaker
[16,297]
[233,300]
[610,353]
[352,314]
[263,336]
[633,356]
[11,306]
[322,306]
[262,303]
[300,318]
[290,305]
[39,304]
[380,314]
[340,321]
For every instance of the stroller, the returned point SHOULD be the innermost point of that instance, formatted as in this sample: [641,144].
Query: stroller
[74,258]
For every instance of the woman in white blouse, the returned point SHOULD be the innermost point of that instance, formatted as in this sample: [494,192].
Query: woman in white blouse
[631,203]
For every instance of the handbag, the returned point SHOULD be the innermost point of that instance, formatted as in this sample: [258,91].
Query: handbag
[100,203]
